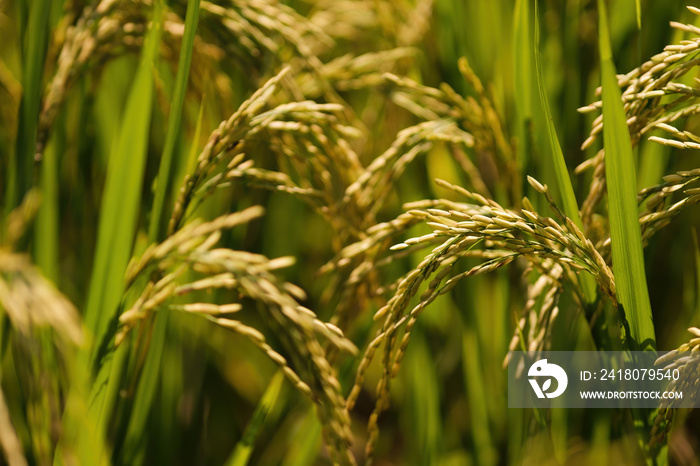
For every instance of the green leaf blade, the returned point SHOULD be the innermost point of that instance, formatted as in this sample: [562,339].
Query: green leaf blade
[522,74]
[116,231]
[21,163]
[625,233]
[120,203]
[241,454]
[175,117]
[149,380]
[563,180]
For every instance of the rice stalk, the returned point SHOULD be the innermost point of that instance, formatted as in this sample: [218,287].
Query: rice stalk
[685,360]
[250,275]
[352,72]
[30,300]
[476,116]
[44,329]
[313,126]
[265,27]
[94,34]
[558,250]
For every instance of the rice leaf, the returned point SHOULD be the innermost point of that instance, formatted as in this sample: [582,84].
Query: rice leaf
[192,156]
[241,454]
[565,189]
[305,449]
[559,430]
[21,164]
[46,228]
[601,440]
[473,374]
[80,437]
[148,382]
[120,202]
[117,225]
[628,257]
[423,402]
[522,75]
[175,118]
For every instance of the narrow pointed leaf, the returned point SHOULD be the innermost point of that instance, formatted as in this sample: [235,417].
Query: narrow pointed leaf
[241,454]
[120,201]
[21,163]
[148,382]
[175,118]
[563,180]
[522,75]
[116,231]
[628,257]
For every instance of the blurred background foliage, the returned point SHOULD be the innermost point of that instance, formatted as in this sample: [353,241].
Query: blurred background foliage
[448,404]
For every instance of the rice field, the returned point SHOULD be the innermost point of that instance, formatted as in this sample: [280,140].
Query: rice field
[308,232]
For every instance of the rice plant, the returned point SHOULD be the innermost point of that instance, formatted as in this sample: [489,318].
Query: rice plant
[309,232]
